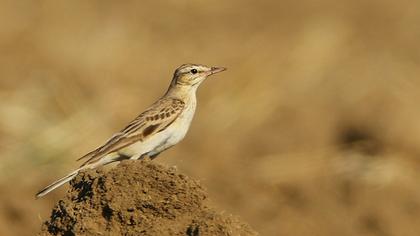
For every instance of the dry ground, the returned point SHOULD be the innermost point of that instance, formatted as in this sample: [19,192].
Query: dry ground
[313,130]
[139,198]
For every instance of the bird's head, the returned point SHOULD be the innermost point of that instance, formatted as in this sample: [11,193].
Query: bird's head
[192,74]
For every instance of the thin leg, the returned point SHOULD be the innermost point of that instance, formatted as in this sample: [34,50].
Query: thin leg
[149,155]
[154,156]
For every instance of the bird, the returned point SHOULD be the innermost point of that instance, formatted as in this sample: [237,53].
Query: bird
[159,127]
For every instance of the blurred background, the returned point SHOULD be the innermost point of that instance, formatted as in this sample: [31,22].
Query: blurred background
[313,130]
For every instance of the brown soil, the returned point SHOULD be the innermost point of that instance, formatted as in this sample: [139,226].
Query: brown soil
[138,197]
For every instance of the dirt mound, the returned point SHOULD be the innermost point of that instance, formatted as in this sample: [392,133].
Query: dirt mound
[138,197]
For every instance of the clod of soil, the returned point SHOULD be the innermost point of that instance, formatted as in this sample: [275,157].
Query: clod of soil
[138,198]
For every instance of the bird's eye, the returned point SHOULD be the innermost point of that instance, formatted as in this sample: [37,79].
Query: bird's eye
[194,71]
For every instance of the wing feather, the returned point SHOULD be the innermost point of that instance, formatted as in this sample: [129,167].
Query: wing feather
[155,119]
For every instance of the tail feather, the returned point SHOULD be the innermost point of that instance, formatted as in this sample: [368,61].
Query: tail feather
[101,162]
[57,183]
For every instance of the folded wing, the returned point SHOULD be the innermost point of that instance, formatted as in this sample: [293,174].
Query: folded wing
[155,119]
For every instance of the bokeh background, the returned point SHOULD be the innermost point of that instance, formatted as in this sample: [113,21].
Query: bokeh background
[313,130]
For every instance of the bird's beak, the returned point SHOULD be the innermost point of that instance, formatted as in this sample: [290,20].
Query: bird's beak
[216,69]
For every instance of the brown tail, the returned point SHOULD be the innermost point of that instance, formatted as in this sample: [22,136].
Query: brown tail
[101,162]
[58,183]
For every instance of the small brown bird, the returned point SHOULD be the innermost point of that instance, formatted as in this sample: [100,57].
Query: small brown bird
[158,128]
